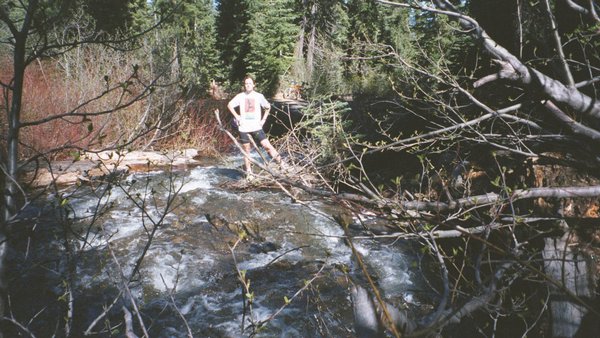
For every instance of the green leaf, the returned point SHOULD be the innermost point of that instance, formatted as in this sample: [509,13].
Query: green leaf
[76,155]
[250,296]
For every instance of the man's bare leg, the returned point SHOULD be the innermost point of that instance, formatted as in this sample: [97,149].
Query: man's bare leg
[247,148]
[271,150]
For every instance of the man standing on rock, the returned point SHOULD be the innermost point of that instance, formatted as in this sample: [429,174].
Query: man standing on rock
[250,121]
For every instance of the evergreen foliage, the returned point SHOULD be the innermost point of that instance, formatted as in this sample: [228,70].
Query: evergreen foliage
[142,16]
[232,20]
[472,119]
[258,38]
[333,47]
[111,16]
[325,31]
[186,43]
[271,34]
[367,47]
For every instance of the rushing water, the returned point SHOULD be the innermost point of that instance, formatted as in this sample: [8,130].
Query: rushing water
[188,280]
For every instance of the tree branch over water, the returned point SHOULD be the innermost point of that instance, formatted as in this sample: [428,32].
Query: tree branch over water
[515,70]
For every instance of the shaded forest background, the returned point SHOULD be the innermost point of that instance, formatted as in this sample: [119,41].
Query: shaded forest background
[470,121]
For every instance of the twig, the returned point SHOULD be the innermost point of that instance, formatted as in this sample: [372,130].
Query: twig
[127,291]
[189,330]
[88,331]
[285,253]
[296,294]
[380,300]
[19,325]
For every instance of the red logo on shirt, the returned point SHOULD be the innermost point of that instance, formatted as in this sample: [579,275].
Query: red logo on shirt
[249,105]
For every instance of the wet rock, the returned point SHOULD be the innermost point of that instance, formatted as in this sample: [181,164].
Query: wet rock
[264,247]
[98,165]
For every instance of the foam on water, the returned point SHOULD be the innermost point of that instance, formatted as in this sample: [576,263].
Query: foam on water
[119,225]
[195,271]
[124,223]
[331,231]
[200,219]
[198,178]
[409,298]
[362,250]
[392,268]
[187,307]
[332,239]
[163,273]
[199,199]
[85,203]
[278,324]
[213,303]
[219,310]
[388,263]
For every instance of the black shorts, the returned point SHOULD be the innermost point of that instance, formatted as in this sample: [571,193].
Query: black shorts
[258,136]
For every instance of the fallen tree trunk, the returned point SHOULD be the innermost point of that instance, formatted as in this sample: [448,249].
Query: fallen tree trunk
[565,265]
[491,198]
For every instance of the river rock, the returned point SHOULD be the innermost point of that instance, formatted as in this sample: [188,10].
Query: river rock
[96,165]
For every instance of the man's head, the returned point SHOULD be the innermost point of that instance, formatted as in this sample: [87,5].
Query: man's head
[248,84]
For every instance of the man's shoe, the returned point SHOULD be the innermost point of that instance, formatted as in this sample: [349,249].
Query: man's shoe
[283,167]
[250,177]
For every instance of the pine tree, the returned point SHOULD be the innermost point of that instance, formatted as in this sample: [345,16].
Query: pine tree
[111,16]
[376,34]
[200,60]
[271,35]
[187,44]
[258,38]
[325,29]
[232,21]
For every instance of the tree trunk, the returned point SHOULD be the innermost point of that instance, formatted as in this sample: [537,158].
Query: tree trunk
[299,66]
[570,269]
[310,53]
[14,120]
[12,156]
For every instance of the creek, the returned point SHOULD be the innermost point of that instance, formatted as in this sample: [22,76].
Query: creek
[188,281]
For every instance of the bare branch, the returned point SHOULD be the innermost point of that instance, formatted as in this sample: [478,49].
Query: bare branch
[506,72]
[4,17]
[568,77]
[591,13]
[520,72]
[19,325]
[107,309]
[587,82]
[575,127]
[490,198]
[129,333]
[127,291]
